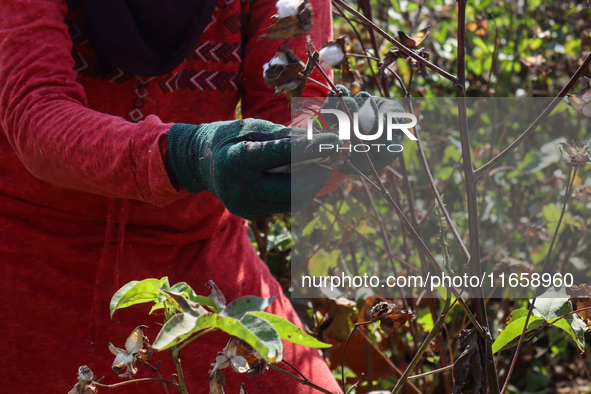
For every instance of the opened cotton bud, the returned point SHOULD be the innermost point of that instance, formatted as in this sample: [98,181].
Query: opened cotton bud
[331,56]
[286,73]
[276,61]
[288,8]
[294,18]
[520,94]
[576,103]
[334,55]
[582,101]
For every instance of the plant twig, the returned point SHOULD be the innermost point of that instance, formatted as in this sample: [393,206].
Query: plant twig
[438,370]
[179,370]
[423,348]
[133,381]
[387,360]
[305,382]
[155,370]
[544,270]
[584,66]
[389,38]
[423,247]
[345,351]
[472,202]
[360,39]
[352,228]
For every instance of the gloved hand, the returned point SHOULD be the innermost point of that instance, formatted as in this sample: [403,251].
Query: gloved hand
[368,108]
[234,160]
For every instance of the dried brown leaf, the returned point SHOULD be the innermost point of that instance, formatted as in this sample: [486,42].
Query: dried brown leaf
[583,193]
[540,232]
[581,296]
[145,355]
[415,41]
[390,316]
[216,294]
[479,26]
[468,374]
[256,363]
[577,156]
[217,381]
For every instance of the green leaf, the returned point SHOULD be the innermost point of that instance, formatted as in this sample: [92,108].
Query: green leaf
[365,229]
[136,292]
[264,332]
[575,327]
[509,337]
[181,288]
[240,306]
[552,304]
[182,304]
[551,214]
[290,332]
[322,261]
[309,227]
[425,319]
[279,242]
[206,301]
[256,331]
[177,329]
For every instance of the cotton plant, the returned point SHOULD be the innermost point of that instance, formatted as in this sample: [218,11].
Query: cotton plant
[187,317]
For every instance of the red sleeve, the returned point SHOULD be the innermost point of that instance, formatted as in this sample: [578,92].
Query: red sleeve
[44,115]
[258,101]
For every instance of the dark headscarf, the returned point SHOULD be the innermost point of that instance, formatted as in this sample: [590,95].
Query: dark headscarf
[145,37]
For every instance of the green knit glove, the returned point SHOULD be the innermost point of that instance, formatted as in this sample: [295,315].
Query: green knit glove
[236,161]
[369,109]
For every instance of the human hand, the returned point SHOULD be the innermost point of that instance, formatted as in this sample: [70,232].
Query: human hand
[369,109]
[235,160]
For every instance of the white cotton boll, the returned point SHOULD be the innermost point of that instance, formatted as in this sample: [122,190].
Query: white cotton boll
[366,117]
[331,56]
[520,94]
[277,61]
[576,103]
[288,7]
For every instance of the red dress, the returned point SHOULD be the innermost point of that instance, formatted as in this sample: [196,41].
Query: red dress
[86,205]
